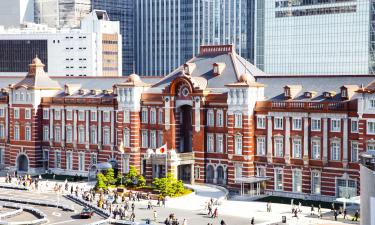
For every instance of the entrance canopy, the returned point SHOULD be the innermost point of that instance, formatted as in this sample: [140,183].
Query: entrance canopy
[104,166]
[251,180]
[254,183]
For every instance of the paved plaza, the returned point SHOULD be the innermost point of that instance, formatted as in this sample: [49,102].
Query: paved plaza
[190,207]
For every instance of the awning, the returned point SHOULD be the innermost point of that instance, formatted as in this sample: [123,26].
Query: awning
[104,166]
[251,180]
[352,200]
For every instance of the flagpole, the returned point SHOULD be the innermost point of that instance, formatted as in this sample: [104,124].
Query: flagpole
[166,163]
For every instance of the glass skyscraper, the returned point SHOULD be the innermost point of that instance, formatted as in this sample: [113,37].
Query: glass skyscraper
[169,32]
[123,11]
[301,37]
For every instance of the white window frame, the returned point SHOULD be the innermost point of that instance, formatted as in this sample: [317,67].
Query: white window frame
[316,124]
[28,133]
[296,123]
[279,184]
[210,143]
[238,120]
[297,148]
[372,103]
[2,112]
[69,115]
[69,160]
[316,147]
[81,161]
[219,118]
[57,134]
[297,180]
[160,116]
[152,116]
[237,171]
[126,116]
[153,139]
[261,171]
[278,123]
[372,130]
[210,118]
[160,138]
[93,115]
[57,114]
[261,122]
[144,116]
[81,135]
[144,140]
[16,113]
[106,116]
[93,159]
[219,143]
[16,134]
[278,146]
[106,136]
[2,130]
[126,138]
[354,126]
[238,144]
[81,115]
[335,147]
[335,125]
[69,134]
[315,182]
[93,135]
[27,114]
[57,162]
[354,151]
[45,133]
[261,145]
[46,114]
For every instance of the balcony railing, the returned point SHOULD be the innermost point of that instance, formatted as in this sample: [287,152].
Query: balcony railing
[307,106]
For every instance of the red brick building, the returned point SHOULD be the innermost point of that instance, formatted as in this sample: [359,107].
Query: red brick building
[223,120]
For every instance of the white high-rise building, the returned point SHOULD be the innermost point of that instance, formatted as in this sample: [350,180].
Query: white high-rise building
[92,50]
[15,12]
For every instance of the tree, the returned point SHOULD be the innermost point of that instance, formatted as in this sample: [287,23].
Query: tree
[101,181]
[110,175]
[169,186]
[133,179]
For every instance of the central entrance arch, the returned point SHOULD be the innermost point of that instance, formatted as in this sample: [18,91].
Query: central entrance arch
[186,129]
[22,163]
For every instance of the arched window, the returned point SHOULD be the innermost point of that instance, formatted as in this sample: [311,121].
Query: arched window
[210,174]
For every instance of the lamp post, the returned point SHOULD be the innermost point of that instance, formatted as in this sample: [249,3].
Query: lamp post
[121,148]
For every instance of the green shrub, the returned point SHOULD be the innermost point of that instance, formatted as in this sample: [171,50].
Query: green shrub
[101,182]
[133,179]
[110,175]
[169,186]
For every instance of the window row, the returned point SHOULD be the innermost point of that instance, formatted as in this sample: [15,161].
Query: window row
[296,147]
[17,114]
[215,143]
[155,116]
[69,160]
[149,139]
[80,115]
[316,124]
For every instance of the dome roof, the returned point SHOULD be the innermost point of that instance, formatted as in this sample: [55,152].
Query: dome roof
[36,60]
[247,78]
[134,78]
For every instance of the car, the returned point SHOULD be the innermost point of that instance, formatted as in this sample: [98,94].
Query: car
[86,213]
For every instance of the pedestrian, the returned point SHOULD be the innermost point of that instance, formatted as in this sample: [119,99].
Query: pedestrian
[163,201]
[252,222]
[222,222]
[215,214]
[133,206]
[333,206]
[184,222]
[319,208]
[345,213]
[295,213]
[299,207]
[149,205]
[132,216]
[356,216]
[71,189]
[155,215]
[312,209]
[209,209]
[335,214]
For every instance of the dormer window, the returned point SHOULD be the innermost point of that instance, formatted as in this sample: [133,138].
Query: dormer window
[218,68]
[308,94]
[188,68]
[329,94]
[287,93]
[344,93]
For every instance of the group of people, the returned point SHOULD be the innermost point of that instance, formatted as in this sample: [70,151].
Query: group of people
[343,212]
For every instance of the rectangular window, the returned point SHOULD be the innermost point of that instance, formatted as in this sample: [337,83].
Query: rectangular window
[69,161]
[57,160]
[81,161]
[335,151]
[354,151]
[297,181]
[2,156]
[144,139]
[278,179]
[69,115]
[16,133]
[57,134]
[315,182]
[160,116]
[370,127]
[238,120]
[153,116]
[16,113]
[153,139]
[126,116]
[335,125]
[69,134]
[81,135]
[210,118]
[297,148]
[93,115]
[278,146]
[238,144]
[57,114]
[210,143]
[45,114]
[106,136]
[2,112]
[160,138]
[219,143]
[354,126]
[238,171]
[278,123]
[261,145]
[81,115]
[106,116]
[315,124]
[315,148]
[127,138]
[28,133]
[297,124]
[27,114]
[261,122]
[219,118]
[93,159]
[261,172]
[93,135]
[144,115]
[45,133]
[2,131]
[372,103]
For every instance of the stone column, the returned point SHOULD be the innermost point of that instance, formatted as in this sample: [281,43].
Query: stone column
[287,140]
[306,141]
[345,143]
[325,140]
[51,124]
[87,131]
[192,173]
[269,139]
[99,128]
[63,126]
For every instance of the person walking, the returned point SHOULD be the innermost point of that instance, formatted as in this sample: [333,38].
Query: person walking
[312,209]
[214,215]
[184,222]
[335,214]
[252,222]
[155,215]
[345,214]
[356,216]
[319,208]
[133,206]
[222,222]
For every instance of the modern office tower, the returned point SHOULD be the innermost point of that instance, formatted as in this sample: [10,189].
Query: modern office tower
[15,12]
[61,13]
[92,50]
[170,32]
[122,11]
[302,37]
